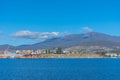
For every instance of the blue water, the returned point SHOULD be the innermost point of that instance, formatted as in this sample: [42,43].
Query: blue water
[59,69]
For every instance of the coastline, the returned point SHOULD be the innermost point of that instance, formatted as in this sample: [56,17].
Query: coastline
[65,56]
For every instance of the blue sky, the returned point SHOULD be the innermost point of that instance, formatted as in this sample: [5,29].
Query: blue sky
[30,21]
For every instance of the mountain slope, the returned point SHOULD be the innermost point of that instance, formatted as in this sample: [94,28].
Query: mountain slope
[92,38]
[7,47]
[88,39]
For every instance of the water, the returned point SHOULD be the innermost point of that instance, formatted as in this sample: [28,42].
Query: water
[59,69]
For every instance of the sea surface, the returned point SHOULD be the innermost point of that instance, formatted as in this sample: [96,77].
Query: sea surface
[60,69]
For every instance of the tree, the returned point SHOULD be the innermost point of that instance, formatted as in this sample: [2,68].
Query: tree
[48,51]
[59,50]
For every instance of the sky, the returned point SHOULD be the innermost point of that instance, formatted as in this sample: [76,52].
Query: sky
[32,21]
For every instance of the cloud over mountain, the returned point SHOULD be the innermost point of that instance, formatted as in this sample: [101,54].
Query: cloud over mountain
[26,34]
[87,29]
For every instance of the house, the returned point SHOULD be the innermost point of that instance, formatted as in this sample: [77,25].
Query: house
[111,54]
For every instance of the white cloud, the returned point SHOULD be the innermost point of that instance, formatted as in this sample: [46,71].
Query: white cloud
[87,29]
[34,35]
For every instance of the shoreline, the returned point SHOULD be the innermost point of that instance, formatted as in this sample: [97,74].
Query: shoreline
[59,56]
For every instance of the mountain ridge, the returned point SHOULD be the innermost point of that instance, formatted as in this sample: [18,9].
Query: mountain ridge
[91,39]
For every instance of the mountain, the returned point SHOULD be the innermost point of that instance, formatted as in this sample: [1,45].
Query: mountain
[7,47]
[88,39]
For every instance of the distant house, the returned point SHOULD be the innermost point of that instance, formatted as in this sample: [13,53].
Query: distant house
[2,52]
[111,54]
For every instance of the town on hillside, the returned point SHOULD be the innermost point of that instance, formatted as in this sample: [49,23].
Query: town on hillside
[61,53]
